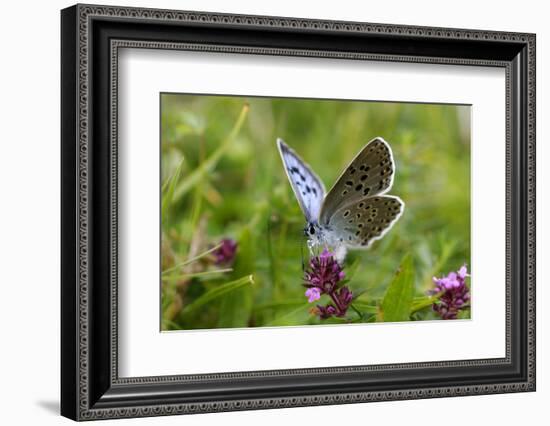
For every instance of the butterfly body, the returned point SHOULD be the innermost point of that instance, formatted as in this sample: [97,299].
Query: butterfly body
[355,212]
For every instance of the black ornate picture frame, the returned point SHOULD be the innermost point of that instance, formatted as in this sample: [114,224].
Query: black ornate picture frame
[91,36]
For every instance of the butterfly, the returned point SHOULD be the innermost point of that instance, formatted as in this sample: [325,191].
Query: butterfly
[355,212]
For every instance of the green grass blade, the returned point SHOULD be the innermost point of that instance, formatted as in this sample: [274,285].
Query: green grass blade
[169,186]
[396,304]
[196,274]
[217,292]
[193,259]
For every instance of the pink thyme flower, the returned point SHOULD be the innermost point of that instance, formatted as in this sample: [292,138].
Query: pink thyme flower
[324,276]
[344,296]
[324,272]
[313,294]
[225,253]
[454,294]
[326,311]
[463,272]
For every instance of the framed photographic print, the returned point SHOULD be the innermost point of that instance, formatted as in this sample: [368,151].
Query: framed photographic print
[263,212]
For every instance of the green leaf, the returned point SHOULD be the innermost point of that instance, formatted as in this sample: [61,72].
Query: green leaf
[297,316]
[275,306]
[396,304]
[420,303]
[217,292]
[365,307]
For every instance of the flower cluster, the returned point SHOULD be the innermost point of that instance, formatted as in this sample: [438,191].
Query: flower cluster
[225,253]
[454,294]
[324,276]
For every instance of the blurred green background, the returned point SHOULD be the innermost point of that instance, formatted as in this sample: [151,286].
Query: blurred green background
[222,177]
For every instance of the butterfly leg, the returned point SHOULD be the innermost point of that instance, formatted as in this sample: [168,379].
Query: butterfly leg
[311,246]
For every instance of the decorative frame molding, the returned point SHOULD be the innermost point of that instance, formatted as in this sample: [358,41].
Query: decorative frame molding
[91,37]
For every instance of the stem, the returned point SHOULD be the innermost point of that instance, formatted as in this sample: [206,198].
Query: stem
[197,243]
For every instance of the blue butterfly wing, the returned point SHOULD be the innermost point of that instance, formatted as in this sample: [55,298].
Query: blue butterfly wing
[369,174]
[307,186]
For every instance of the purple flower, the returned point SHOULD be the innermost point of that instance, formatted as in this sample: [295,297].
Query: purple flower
[463,272]
[225,253]
[313,294]
[454,295]
[326,311]
[324,272]
[324,276]
[343,297]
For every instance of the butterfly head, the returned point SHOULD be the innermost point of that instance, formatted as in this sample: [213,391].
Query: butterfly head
[311,229]
[315,235]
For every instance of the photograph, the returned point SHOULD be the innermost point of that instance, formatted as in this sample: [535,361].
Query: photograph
[272,208]
[300,212]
